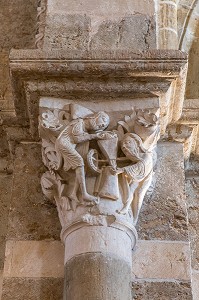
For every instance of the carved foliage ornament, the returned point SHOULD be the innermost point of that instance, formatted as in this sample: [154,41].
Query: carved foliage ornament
[94,168]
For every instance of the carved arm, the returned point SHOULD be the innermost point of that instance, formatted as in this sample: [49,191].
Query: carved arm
[84,138]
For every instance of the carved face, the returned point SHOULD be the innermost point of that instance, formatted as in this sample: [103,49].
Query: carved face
[99,122]
[130,147]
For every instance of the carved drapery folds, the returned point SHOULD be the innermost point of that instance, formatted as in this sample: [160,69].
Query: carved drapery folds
[97,171]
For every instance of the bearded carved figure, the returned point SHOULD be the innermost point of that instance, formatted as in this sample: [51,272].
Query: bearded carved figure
[94,167]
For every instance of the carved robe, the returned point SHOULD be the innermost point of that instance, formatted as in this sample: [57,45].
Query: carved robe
[66,145]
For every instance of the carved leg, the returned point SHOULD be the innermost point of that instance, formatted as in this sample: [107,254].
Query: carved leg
[73,195]
[139,196]
[80,175]
[127,205]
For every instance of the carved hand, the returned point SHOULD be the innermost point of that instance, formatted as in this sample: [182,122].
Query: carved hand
[116,171]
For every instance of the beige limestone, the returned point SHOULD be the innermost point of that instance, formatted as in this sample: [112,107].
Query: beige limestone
[98,25]
[193,213]
[164,212]
[103,7]
[166,24]
[99,239]
[162,260]
[195,284]
[34,259]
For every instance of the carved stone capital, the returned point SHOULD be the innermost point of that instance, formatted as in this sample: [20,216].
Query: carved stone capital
[100,165]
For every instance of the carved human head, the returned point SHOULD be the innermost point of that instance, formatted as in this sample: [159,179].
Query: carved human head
[99,121]
[132,145]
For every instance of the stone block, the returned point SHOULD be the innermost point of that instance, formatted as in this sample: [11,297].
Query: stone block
[162,290]
[32,289]
[129,32]
[164,213]
[192,186]
[32,216]
[161,260]
[18,20]
[192,87]
[67,32]
[101,8]
[137,32]
[34,259]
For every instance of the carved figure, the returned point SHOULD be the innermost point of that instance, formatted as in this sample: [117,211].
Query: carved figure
[66,155]
[78,131]
[137,176]
[138,145]
[116,165]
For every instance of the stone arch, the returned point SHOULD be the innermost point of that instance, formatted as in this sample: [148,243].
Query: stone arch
[188,16]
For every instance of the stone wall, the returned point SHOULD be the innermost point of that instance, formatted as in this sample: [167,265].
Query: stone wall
[17,30]
[34,254]
[90,24]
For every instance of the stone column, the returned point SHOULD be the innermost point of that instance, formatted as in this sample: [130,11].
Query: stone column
[98,179]
[98,262]
[166,24]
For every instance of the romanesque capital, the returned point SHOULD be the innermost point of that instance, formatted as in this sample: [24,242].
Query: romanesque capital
[99,166]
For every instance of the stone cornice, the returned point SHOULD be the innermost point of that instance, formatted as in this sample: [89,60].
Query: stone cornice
[134,75]
[158,63]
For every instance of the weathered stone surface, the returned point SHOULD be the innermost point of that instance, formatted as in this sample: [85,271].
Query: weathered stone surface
[18,19]
[192,188]
[162,260]
[167,36]
[67,32]
[121,34]
[97,276]
[195,285]
[6,101]
[162,290]
[17,30]
[101,8]
[192,88]
[111,24]
[31,215]
[164,214]
[34,259]
[5,198]
[32,289]
[1,282]
[76,33]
